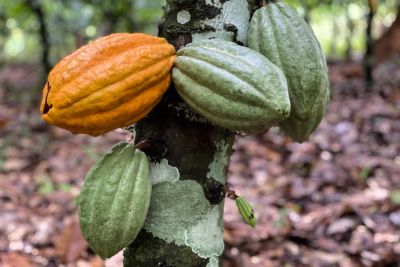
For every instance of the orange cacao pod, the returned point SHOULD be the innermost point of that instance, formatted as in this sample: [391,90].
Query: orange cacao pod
[109,83]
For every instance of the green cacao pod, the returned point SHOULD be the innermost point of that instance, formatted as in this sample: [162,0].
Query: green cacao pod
[231,85]
[301,130]
[282,36]
[115,200]
[246,211]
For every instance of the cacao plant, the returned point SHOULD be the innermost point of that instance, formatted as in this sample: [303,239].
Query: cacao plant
[282,36]
[115,199]
[231,85]
[109,83]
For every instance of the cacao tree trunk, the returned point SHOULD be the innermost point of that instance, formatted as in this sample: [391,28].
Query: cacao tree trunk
[190,157]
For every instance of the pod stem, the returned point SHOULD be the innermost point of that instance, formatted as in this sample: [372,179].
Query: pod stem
[230,193]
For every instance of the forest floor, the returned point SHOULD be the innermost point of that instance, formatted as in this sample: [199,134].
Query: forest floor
[332,201]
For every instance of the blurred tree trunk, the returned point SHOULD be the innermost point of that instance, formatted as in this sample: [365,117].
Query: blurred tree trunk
[350,32]
[3,32]
[333,44]
[110,20]
[132,24]
[368,58]
[35,6]
[190,157]
[389,43]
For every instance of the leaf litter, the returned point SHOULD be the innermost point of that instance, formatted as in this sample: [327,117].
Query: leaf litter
[332,201]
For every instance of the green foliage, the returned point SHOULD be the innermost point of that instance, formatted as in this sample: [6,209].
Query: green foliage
[18,24]
[329,19]
[70,24]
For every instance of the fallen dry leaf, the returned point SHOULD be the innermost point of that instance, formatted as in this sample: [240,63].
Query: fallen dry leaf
[15,259]
[70,243]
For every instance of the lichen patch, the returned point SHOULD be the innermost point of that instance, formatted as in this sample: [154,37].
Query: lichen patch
[210,244]
[217,166]
[183,16]
[213,262]
[180,213]
[163,172]
[232,14]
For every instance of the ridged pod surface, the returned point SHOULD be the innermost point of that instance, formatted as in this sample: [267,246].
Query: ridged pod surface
[246,211]
[115,199]
[231,85]
[109,83]
[301,130]
[282,35]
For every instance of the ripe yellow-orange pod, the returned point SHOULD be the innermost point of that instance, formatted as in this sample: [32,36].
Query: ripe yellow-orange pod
[109,83]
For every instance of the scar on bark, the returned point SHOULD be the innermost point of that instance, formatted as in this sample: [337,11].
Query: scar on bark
[156,149]
[47,107]
[214,191]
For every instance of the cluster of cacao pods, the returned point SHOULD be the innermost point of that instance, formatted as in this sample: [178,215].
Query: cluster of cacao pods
[280,79]
[112,82]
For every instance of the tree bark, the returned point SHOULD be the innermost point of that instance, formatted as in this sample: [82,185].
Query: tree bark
[190,157]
